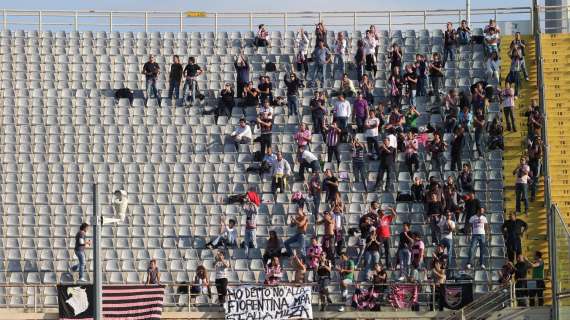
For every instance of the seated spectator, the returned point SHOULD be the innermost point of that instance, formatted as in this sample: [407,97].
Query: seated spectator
[241,135]
[280,170]
[495,138]
[152,273]
[307,160]
[124,93]
[273,247]
[201,283]
[396,122]
[227,237]
[411,117]
[346,86]
[227,101]
[346,272]
[265,165]
[302,41]
[463,33]
[367,89]
[273,272]
[506,273]
[250,96]
[439,255]
[303,136]
[262,37]
[299,268]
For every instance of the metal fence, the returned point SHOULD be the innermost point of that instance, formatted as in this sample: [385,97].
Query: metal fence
[151,21]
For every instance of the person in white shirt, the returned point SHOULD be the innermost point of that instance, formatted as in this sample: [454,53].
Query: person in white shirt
[227,237]
[302,41]
[371,125]
[370,44]
[307,160]
[522,180]
[479,228]
[280,170]
[342,112]
[392,137]
[120,206]
[242,134]
[447,226]
[339,53]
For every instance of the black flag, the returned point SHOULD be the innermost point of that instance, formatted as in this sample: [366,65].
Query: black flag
[75,302]
[457,295]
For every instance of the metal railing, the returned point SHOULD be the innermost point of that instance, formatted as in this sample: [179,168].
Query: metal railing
[179,21]
[483,307]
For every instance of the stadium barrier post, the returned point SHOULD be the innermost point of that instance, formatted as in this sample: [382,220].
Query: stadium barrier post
[425,19]
[468,12]
[216,25]
[35,299]
[97,274]
[5,20]
[110,21]
[250,21]
[40,21]
[75,21]
[459,16]
[181,22]
[146,21]
[354,22]
[389,22]
[285,22]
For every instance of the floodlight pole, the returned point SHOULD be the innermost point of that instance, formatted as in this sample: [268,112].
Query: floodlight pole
[97,274]
[468,12]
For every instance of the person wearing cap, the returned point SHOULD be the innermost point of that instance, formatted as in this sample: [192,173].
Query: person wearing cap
[242,134]
[151,70]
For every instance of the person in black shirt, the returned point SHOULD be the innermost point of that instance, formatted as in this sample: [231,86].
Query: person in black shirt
[450,40]
[265,88]
[318,112]
[387,164]
[405,250]
[250,96]
[359,58]
[420,67]
[465,179]
[437,148]
[265,124]
[436,74]
[175,77]
[80,244]
[411,79]
[472,207]
[513,229]
[479,124]
[191,72]
[330,185]
[151,70]
[242,74]
[417,190]
[521,270]
[293,84]
[226,101]
[456,147]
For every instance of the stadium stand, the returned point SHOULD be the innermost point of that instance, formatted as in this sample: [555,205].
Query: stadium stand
[62,131]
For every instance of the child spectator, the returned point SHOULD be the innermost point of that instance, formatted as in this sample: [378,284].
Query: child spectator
[152,273]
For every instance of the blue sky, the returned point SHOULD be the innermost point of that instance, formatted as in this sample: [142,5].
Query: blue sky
[253,5]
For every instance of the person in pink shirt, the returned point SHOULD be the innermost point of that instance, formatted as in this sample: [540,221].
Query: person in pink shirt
[303,136]
[508,97]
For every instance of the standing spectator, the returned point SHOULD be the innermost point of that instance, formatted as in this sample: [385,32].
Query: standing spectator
[494,68]
[491,41]
[367,89]
[421,68]
[360,59]
[262,37]
[404,251]
[314,188]
[227,237]
[479,229]
[465,179]
[436,75]
[521,270]
[479,126]
[472,208]
[151,70]
[411,79]
[439,277]
[332,140]
[371,133]
[221,267]
[396,56]
[321,57]
[293,84]
[370,44]
[538,277]
[456,148]
[318,112]
[273,273]
[307,160]
[242,74]
[329,236]
[379,279]
[302,41]
[346,272]
[273,247]
[395,86]
[175,77]
[299,267]
[517,67]
[374,32]
[342,113]
[418,251]
[330,185]
[314,254]
[321,34]
[152,273]
[227,101]
[513,230]
[447,227]
[340,49]
[280,170]
[201,283]
[521,185]
[120,206]
[434,209]
[191,72]
[242,134]
[385,218]
[449,43]
[301,223]
[437,148]
[508,96]
[371,252]
[387,165]
[80,244]
[535,152]
[265,88]
[506,274]
[303,136]
[265,126]
[250,238]
[519,46]
[417,190]
[411,117]
[324,269]
[358,163]
[463,33]
[411,153]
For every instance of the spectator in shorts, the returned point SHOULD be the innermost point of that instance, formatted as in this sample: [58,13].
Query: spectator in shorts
[221,266]
[280,170]
[242,134]
[299,268]
[151,70]
[152,273]
[175,77]
[346,272]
